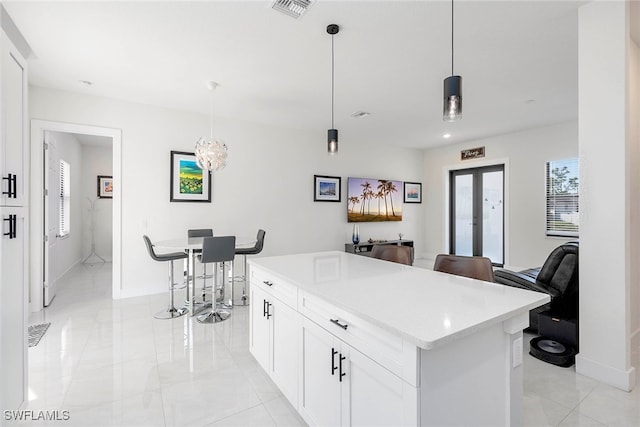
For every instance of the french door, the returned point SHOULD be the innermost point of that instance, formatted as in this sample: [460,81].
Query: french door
[477,213]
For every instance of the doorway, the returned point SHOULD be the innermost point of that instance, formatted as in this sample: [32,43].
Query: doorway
[476,209]
[37,199]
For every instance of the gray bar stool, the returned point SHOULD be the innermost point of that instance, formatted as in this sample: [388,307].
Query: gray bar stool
[171,312]
[218,249]
[256,249]
[201,232]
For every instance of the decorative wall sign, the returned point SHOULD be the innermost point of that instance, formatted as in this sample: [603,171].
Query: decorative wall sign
[413,192]
[472,153]
[189,183]
[326,188]
[105,187]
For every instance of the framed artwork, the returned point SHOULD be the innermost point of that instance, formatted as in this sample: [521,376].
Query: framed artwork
[189,183]
[413,192]
[326,188]
[105,187]
[373,200]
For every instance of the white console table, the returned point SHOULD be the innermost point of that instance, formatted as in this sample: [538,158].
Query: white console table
[351,340]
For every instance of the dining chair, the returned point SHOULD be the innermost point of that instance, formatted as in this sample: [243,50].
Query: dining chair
[171,312]
[475,267]
[201,232]
[256,249]
[216,250]
[393,253]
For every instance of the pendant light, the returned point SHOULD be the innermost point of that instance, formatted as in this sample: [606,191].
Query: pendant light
[332,134]
[452,110]
[211,153]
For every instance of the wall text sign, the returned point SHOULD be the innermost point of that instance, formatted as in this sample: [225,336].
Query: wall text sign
[472,153]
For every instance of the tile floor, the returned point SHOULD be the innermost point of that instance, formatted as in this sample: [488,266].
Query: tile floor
[110,363]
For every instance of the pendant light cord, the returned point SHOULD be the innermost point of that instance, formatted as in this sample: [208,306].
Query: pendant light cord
[211,116]
[332,80]
[452,37]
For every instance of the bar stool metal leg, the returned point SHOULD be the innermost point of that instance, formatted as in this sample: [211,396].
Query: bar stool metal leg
[171,312]
[217,311]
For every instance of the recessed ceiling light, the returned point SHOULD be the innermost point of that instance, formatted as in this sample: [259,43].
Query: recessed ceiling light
[85,82]
[360,114]
[446,135]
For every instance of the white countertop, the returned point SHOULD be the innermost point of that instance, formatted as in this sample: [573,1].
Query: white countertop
[426,307]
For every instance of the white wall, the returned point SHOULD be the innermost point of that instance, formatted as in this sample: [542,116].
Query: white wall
[267,184]
[526,153]
[606,194]
[96,160]
[634,167]
[68,249]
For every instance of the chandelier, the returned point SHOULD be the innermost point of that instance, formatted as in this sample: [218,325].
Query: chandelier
[211,153]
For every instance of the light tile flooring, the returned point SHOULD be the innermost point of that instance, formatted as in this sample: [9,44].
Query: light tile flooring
[110,363]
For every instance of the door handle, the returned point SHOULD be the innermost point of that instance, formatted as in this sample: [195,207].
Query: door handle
[333,361]
[342,374]
[12,186]
[337,322]
[12,226]
[264,308]
[268,306]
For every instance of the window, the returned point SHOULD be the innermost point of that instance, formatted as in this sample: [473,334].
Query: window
[65,198]
[562,198]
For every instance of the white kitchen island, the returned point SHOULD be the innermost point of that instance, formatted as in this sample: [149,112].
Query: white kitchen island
[351,340]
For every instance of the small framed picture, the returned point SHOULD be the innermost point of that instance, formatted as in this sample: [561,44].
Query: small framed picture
[189,183]
[105,187]
[413,192]
[326,188]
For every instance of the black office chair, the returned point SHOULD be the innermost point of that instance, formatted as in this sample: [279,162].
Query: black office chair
[171,312]
[201,232]
[475,267]
[218,249]
[558,278]
[393,253]
[256,249]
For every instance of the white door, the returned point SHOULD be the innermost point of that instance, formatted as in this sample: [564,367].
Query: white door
[373,396]
[259,328]
[13,321]
[285,330]
[51,216]
[320,399]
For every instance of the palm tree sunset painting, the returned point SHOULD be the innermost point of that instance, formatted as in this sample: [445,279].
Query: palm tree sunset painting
[374,200]
[190,177]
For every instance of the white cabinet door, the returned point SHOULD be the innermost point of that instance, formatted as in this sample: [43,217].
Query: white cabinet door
[13,304]
[259,327]
[285,333]
[320,400]
[13,141]
[373,396]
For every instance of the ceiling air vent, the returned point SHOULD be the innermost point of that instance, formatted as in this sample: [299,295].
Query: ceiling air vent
[293,8]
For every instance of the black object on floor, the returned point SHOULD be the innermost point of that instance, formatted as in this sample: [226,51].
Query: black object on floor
[36,332]
[551,351]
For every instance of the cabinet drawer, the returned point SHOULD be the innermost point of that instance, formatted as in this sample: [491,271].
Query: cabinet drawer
[389,350]
[285,292]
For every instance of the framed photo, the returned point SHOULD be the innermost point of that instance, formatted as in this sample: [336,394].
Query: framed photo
[105,187]
[413,192]
[326,188]
[189,183]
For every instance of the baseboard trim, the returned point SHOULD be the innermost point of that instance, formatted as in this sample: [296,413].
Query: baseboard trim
[624,380]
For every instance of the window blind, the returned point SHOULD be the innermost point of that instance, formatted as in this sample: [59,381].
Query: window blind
[562,188]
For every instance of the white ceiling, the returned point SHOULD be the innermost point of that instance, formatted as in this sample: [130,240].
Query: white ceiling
[518,60]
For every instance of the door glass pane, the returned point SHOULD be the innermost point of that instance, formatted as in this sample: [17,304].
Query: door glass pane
[464,215]
[492,216]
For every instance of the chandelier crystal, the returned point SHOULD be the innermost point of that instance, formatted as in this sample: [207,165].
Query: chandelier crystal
[211,153]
